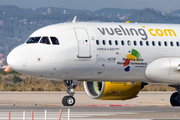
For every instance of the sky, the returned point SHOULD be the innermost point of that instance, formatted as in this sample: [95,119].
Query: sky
[92,5]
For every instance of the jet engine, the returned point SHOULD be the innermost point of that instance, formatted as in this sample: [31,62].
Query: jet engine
[113,90]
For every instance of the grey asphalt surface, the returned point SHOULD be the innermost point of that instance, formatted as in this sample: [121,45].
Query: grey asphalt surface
[54,99]
[149,105]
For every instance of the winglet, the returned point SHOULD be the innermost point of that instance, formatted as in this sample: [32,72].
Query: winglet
[7,69]
[74,20]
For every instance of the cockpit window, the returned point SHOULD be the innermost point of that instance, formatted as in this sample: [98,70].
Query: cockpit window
[54,41]
[33,40]
[45,40]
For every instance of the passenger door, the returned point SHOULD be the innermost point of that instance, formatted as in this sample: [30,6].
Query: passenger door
[84,48]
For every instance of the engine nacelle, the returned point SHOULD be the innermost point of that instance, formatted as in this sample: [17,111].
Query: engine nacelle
[166,69]
[113,90]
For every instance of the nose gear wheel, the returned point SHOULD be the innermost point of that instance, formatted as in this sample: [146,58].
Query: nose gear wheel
[69,100]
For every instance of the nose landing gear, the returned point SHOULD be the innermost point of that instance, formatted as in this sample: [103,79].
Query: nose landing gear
[69,100]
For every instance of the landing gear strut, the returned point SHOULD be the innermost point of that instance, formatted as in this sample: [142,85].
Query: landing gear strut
[175,97]
[69,100]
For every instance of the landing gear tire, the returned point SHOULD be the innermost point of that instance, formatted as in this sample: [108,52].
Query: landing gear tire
[175,101]
[64,101]
[68,101]
[175,97]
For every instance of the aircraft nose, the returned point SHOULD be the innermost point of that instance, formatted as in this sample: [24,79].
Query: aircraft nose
[17,58]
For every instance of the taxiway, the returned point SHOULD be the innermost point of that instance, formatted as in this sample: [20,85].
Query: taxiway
[149,105]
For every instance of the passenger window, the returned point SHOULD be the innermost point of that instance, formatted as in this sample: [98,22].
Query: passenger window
[135,43]
[122,42]
[171,43]
[159,43]
[177,43]
[54,41]
[45,40]
[147,43]
[128,42]
[165,43]
[33,40]
[97,42]
[110,42]
[153,43]
[104,42]
[141,43]
[116,42]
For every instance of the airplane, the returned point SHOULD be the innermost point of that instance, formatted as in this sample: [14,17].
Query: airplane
[115,60]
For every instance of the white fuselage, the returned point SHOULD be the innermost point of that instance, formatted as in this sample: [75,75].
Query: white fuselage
[97,51]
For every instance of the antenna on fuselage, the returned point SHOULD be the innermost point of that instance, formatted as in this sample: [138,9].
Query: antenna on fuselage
[74,20]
